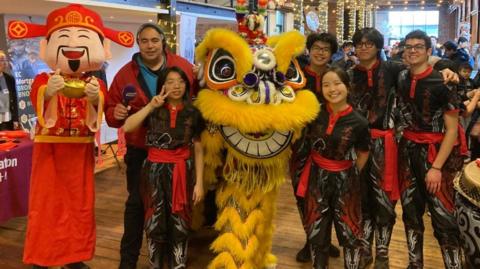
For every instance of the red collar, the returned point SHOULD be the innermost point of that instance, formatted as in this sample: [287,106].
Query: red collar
[318,78]
[424,74]
[417,77]
[369,71]
[332,119]
[310,71]
[173,113]
[178,107]
[363,68]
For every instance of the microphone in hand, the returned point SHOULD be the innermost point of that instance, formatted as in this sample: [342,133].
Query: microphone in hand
[128,94]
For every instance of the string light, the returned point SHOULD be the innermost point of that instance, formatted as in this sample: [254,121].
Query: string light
[298,14]
[323,16]
[352,19]
[369,16]
[361,14]
[169,28]
[339,26]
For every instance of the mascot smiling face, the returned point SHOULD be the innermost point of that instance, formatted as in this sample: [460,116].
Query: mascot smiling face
[255,107]
[74,50]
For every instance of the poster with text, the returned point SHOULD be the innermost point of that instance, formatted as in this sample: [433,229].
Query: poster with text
[25,64]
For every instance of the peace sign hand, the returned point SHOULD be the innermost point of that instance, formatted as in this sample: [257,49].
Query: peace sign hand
[159,100]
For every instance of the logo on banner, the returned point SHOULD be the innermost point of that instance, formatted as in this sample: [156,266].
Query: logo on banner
[4,164]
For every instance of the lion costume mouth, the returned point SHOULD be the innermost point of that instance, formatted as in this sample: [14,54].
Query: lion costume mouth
[257,145]
[257,131]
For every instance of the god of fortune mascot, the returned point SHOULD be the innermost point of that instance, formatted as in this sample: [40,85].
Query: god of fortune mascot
[68,104]
[255,108]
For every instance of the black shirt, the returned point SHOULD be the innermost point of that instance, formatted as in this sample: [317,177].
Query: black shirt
[423,112]
[171,128]
[314,82]
[464,87]
[373,92]
[336,139]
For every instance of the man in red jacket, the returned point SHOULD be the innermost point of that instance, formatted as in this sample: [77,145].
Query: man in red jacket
[142,73]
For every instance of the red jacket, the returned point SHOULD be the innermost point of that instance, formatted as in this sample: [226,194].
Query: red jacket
[130,74]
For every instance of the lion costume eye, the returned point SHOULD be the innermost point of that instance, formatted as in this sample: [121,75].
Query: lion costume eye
[294,76]
[291,72]
[221,70]
[224,68]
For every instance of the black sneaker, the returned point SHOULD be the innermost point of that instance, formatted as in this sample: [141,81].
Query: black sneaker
[76,265]
[333,251]
[381,263]
[304,254]
[126,265]
[365,261]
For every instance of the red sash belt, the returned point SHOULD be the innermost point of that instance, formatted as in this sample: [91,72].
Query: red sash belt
[425,138]
[179,180]
[327,164]
[434,138]
[390,176]
[462,140]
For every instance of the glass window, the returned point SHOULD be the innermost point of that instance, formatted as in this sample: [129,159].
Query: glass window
[402,22]
[279,22]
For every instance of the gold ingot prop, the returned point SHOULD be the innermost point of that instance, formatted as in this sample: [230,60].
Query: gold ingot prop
[74,88]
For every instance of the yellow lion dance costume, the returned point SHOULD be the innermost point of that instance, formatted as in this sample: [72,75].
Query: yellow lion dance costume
[255,108]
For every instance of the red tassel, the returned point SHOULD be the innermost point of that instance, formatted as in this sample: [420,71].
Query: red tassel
[99,161]
[122,143]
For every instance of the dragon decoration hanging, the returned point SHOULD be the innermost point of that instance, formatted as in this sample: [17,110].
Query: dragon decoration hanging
[255,107]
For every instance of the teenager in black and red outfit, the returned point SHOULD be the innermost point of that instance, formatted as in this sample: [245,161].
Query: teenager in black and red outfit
[373,95]
[171,178]
[320,49]
[336,146]
[429,153]
[374,84]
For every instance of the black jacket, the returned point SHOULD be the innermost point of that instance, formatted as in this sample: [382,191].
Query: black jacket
[13,96]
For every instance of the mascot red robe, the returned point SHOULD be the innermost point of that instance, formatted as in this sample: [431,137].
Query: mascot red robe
[69,107]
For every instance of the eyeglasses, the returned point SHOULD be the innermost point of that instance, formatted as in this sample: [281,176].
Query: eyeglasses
[415,48]
[366,44]
[172,82]
[320,49]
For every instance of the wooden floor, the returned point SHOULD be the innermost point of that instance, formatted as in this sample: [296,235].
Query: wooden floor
[289,235]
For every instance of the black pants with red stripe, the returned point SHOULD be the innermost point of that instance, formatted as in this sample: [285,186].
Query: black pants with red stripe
[377,208]
[413,166]
[333,197]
